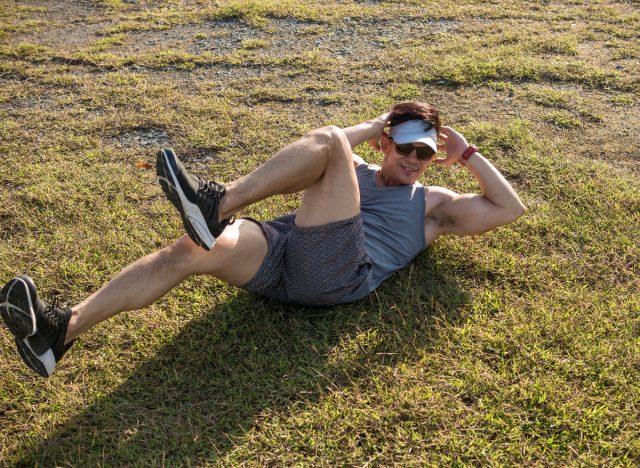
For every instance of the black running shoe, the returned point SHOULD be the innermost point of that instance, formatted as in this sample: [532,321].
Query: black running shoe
[196,199]
[39,328]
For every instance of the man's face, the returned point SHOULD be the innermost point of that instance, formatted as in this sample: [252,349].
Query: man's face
[401,170]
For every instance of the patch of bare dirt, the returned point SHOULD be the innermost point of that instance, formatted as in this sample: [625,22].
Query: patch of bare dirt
[68,25]
[355,36]
[144,138]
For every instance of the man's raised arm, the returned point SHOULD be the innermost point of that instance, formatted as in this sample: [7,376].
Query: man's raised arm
[371,130]
[471,213]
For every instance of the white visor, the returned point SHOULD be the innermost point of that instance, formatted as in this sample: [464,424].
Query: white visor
[413,131]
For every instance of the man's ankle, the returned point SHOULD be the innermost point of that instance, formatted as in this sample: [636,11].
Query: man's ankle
[72,327]
[225,208]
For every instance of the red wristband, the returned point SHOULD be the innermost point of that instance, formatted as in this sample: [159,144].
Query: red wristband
[470,151]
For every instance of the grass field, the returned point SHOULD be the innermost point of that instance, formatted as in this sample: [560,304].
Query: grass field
[518,347]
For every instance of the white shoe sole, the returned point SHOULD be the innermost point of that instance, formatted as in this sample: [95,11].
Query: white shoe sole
[191,211]
[44,362]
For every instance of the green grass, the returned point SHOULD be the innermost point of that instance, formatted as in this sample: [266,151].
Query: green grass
[517,347]
[254,44]
[562,119]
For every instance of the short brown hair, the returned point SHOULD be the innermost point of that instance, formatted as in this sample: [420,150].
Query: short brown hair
[406,111]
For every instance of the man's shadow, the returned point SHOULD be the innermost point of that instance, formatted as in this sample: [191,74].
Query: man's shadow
[245,359]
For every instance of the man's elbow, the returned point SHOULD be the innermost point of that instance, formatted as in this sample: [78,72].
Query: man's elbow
[518,210]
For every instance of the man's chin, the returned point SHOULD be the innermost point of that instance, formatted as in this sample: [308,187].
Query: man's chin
[401,177]
[405,179]
[406,176]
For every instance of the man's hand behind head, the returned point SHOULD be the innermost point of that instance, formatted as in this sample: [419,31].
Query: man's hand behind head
[382,122]
[453,144]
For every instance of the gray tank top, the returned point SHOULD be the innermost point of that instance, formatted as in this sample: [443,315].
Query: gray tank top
[393,223]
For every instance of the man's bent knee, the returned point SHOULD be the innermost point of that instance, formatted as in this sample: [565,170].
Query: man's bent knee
[334,142]
[235,258]
[181,254]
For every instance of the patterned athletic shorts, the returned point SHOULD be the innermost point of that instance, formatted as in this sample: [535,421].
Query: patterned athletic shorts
[316,265]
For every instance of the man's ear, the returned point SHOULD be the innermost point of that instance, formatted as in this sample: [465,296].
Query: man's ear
[384,142]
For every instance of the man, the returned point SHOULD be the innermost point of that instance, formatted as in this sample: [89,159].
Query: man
[356,225]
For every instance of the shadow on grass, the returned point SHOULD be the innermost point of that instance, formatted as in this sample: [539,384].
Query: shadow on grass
[220,374]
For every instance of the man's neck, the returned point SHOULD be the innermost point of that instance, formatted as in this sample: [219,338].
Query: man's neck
[384,181]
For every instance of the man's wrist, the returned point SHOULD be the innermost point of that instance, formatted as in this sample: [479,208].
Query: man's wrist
[384,118]
[466,154]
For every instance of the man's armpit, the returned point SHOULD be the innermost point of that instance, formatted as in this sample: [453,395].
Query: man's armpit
[440,221]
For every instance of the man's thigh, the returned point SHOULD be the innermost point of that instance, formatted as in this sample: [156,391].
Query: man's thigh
[236,255]
[335,196]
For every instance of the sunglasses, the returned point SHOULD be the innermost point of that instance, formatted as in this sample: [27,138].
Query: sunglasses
[424,153]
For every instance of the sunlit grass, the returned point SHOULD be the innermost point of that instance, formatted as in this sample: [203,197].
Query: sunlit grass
[518,347]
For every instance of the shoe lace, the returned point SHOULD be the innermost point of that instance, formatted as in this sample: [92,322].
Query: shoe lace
[211,189]
[52,312]
[214,191]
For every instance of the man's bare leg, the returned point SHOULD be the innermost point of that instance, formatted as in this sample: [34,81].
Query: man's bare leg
[321,163]
[306,164]
[235,260]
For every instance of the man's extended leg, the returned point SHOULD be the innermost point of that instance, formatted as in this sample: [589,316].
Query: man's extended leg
[235,260]
[44,331]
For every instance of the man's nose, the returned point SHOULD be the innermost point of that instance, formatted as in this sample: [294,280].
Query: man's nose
[413,155]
